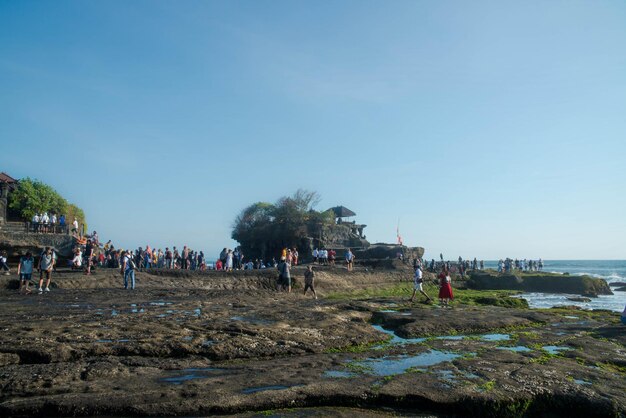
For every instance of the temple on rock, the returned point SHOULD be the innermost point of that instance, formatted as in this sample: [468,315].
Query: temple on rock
[17,236]
[7,185]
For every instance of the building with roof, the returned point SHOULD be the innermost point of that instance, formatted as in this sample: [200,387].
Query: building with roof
[7,185]
[342,212]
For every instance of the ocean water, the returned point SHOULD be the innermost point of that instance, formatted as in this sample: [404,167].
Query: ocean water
[609,270]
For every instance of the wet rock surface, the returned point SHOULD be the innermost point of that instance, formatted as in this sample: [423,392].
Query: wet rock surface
[203,344]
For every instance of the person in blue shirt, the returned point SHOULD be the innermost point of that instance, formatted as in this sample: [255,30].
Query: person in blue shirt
[349,259]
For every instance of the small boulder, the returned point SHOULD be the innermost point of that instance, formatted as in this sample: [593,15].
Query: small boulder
[579,299]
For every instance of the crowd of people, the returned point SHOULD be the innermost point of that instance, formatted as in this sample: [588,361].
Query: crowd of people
[89,254]
[508,265]
[44,223]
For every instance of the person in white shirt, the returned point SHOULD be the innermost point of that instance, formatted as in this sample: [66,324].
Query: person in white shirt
[77,261]
[36,221]
[53,223]
[418,280]
[75,226]
[46,263]
[45,219]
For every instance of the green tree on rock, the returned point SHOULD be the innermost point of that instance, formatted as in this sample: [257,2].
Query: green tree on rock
[264,229]
[34,196]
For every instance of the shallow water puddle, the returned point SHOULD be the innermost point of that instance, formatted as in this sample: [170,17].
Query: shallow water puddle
[581,382]
[447,375]
[338,374]
[451,337]
[517,349]
[392,311]
[555,349]
[193,374]
[495,337]
[160,303]
[392,365]
[264,388]
[398,340]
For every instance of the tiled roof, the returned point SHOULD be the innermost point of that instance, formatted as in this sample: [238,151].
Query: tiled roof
[5,178]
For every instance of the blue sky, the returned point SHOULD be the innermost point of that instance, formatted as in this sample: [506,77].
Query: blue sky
[487,128]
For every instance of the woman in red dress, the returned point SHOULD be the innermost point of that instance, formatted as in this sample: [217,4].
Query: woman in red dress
[445,289]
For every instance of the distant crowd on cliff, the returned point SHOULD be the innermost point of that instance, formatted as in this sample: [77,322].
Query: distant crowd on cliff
[45,223]
[508,265]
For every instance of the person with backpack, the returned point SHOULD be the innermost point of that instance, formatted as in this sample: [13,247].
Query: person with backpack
[128,270]
[284,275]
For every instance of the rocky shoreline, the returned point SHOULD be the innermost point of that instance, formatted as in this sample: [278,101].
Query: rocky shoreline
[194,344]
[540,282]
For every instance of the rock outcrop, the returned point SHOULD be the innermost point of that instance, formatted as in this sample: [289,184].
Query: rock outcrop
[539,282]
[17,243]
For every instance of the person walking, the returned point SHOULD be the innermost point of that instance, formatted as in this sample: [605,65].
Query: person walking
[45,269]
[284,278]
[128,270]
[418,280]
[88,257]
[309,278]
[25,271]
[349,259]
[3,263]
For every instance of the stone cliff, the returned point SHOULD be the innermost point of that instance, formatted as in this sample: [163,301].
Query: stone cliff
[17,243]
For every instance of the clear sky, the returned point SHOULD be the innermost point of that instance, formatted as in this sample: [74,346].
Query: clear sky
[487,128]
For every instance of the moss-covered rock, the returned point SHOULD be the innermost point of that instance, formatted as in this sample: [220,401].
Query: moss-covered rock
[539,282]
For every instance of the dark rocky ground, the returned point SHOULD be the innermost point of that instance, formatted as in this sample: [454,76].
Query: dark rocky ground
[204,344]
